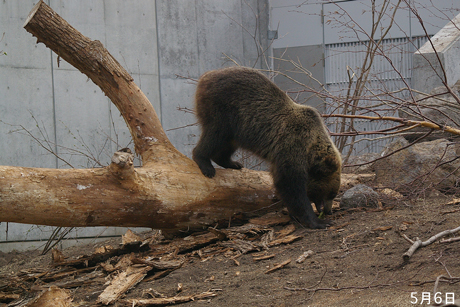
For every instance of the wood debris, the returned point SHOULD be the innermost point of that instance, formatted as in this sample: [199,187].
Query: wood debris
[285,240]
[117,270]
[272,218]
[241,245]
[304,256]
[130,237]
[169,300]
[57,256]
[160,264]
[263,257]
[278,266]
[53,297]
[8,297]
[286,231]
[122,283]
[382,228]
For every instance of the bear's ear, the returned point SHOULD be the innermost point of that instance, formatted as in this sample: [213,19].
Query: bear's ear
[326,166]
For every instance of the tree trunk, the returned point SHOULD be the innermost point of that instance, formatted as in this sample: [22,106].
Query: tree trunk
[168,192]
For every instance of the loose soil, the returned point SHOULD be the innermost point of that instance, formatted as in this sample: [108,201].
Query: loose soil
[358,262]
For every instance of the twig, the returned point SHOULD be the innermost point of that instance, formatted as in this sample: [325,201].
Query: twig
[161,301]
[343,288]
[450,280]
[450,240]
[404,121]
[278,266]
[418,243]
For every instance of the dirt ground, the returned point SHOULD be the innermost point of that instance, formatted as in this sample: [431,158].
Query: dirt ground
[357,262]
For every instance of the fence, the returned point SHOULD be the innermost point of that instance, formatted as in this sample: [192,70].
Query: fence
[389,77]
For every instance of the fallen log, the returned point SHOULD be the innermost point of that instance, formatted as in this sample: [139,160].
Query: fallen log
[168,192]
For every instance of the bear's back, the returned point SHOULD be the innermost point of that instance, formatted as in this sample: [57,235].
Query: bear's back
[259,115]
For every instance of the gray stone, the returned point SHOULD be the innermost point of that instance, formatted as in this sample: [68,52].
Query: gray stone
[359,196]
[418,166]
[362,169]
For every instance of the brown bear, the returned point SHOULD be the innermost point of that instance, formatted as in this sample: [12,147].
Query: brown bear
[240,107]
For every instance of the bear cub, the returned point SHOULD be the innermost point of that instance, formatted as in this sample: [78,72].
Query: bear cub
[240,107]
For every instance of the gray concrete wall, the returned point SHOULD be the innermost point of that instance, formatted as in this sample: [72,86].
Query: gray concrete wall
[197,36]
[307,71]
[66,113]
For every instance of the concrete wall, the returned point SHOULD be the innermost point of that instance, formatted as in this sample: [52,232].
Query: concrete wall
[67,114]
[197,36]
[288,61]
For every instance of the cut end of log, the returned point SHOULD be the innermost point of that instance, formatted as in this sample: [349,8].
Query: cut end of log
[32,13]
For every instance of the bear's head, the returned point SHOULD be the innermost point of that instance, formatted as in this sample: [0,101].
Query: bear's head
[324,181]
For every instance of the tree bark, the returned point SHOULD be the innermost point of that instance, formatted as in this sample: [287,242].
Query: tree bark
[168,192]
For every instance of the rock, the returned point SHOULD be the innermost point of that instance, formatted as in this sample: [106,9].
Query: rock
[363,169]
[418,165]
[359,196]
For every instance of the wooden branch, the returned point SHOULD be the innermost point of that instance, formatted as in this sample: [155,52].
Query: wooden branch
[418,243]
[404,121]
[91,58]
[161,301]
[278,266]
[168,192]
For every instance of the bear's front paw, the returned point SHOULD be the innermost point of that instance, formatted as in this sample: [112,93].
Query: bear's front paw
[320,224]
[236,165]
[208,171]
[315,223]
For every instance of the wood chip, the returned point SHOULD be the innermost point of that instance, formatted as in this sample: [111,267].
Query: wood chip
[130,237]
[335,227]
[382,228]
[278,266]
[284,240]
[264,257]
[286,231]
[304,256]
[452,202]
[53,297]
[169,300]
[158,275]
[241,245]
[270,219]
[160,264]
[103,249]
[122,283]
[220,234]
[57,256]
[190,243]
[8,297]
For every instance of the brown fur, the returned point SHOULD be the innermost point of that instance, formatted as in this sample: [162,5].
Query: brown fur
[240,107]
